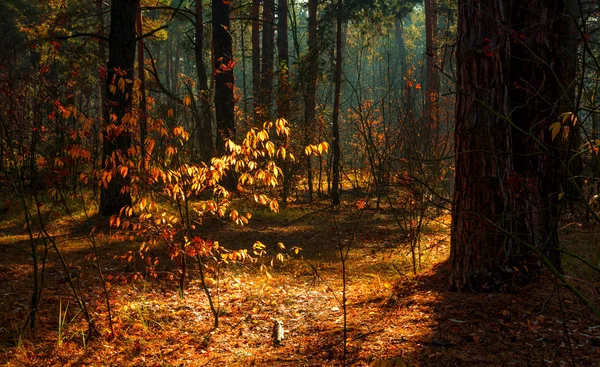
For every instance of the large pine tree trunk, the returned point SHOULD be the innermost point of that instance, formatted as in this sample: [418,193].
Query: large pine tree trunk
[116,140]
[223,71]
[542,71]
[507,168]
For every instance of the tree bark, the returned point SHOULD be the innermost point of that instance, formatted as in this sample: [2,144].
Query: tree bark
[223,73]
[204,128]
[255,57]
[337,78]
[507,168]
[101,81]
[284,90]
[116,138]
[432,78]
[542,71]
[310,97]
[142,77]
[268,49]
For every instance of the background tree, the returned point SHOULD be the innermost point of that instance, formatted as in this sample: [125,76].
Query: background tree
[310,93]
[223,73]
[204,130]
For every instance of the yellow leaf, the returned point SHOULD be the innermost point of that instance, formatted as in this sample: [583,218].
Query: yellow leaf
[555,129]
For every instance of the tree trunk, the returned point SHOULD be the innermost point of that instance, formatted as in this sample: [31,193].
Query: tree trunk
[432,79]
[116,140]
[542,71]
[101,82]
[223,73]
[399,37]
[284,90]
[142,77]
[204,128]
[337,78]
[507,171]
[268,48]
[310,97]
[255,57]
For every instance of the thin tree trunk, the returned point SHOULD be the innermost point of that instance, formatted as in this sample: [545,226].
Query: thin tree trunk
[101,82]
[337,78]
[204,128]
[142,77]
[284,90]
[432,79]
[255,57]
[268,49]
[310,98]
[223,73]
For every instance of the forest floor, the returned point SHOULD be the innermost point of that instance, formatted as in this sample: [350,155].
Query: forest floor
[392,314]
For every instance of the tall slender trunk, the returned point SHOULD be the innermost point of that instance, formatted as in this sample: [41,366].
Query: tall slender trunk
[117,141]
[337,78]
[284,90]
[268,49]
[402,62]
[310,97]
[244,84]
[204,128]
[169,62]
[223,73]
[101,80]
[176,65]
[255,57]
[142,77]
[432,78]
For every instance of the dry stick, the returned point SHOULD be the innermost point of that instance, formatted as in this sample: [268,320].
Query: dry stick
[92,238]
[343,259]
[78,294]
[35,299]
[567,331]
[215,310]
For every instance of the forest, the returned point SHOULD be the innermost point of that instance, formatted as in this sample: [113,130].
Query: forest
[383,183]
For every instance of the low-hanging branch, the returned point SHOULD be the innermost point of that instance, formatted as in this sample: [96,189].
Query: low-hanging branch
[105,39]
[76,35]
